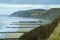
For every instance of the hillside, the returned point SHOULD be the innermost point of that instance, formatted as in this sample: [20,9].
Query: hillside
[34,13]
[51,13]
[56,34]
[42,32]
[38,13]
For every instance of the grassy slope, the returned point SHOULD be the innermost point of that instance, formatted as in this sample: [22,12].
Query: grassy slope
[56,34]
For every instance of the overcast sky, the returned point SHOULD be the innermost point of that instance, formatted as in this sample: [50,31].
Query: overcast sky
[8,9]
[30,1]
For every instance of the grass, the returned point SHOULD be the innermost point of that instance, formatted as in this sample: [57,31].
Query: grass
[56,34]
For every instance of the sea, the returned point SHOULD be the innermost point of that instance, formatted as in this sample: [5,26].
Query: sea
[6,20]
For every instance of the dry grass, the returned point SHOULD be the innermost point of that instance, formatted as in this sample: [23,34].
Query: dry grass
[56,34]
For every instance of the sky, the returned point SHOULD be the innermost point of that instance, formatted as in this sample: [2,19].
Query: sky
[30,1]
[8,9]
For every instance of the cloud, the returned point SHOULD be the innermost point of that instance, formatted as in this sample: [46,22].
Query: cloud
[27,6]
[21,6]
[10,8]
[54,6]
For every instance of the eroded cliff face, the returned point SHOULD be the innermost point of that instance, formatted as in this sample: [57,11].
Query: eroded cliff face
[42,32]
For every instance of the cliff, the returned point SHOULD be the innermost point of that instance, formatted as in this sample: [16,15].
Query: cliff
[42,32]
[45,31]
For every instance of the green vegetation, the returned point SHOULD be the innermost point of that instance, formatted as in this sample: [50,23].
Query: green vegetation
[56,34]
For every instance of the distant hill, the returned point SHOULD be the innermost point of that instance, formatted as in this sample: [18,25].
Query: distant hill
[51,13]
[34,13]
[39,13]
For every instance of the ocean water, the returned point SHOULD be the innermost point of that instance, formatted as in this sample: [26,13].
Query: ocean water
[5,21]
